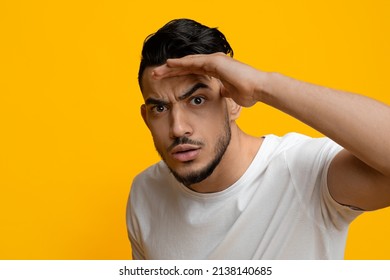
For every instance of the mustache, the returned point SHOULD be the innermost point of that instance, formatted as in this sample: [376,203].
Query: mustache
[184,140]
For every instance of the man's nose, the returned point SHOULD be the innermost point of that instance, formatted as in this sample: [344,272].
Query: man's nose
[179,123]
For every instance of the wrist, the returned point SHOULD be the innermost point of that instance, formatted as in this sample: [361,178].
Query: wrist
[264,86]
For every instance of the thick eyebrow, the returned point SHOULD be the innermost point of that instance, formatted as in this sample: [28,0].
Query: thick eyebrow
[192,90]
[185,95]
[154,101]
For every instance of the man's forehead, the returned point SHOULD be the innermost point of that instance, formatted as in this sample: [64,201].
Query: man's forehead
[171,85]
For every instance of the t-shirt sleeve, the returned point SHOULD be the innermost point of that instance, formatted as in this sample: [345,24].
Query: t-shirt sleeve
[331,210]
[133,227]
[308,161]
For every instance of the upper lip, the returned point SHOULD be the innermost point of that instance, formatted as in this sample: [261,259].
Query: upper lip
[183,148]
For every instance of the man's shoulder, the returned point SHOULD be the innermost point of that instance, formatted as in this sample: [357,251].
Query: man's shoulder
[154,179]
[152,186]
[285,142]
[154,173]
[291,137]
[298,144]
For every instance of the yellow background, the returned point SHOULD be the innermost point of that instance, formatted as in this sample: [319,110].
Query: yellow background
[72,139]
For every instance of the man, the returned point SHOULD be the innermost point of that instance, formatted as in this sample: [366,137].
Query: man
[222,194]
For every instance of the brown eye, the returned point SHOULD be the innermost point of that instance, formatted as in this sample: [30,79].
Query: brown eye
[159,109]
[197,100]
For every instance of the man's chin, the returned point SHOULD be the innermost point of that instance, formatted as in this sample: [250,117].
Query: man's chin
[192,177]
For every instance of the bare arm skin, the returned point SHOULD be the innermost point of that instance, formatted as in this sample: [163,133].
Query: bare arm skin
[359,175]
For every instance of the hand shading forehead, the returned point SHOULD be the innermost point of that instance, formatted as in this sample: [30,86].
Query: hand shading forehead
[185,95]
[179,87]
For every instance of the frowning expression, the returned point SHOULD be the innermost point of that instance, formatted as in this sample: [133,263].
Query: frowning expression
[189,122]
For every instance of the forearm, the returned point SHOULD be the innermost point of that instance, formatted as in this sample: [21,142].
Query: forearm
[358,123]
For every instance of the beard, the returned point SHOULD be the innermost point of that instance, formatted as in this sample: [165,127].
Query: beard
[197,176]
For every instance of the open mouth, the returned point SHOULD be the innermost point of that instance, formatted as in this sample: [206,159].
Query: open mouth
[185,153]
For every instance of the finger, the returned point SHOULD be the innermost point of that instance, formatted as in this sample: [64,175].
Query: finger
[197,64]
[192,64]
[162,72]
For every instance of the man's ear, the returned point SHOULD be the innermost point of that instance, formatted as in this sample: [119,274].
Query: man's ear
[143,114]
[234,109]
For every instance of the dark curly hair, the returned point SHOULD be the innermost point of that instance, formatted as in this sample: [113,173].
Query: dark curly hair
[178,38]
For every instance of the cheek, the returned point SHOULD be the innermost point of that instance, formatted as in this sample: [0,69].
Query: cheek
[160,133]
[157,133]
[216,116]
[214,127]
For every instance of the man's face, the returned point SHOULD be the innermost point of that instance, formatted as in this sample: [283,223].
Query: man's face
[189,122]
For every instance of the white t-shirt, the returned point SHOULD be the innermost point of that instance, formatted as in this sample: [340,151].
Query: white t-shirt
[280,208]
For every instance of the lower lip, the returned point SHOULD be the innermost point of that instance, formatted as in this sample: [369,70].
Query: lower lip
[186,156]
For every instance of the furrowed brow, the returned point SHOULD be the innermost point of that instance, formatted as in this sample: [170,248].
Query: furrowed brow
[193,90]
[153,101]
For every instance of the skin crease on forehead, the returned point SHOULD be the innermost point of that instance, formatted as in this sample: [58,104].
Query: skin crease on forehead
[205,120]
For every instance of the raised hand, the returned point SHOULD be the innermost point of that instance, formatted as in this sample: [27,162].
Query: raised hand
[240,82]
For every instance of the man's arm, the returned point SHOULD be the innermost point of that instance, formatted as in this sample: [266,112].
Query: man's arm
[359,176]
